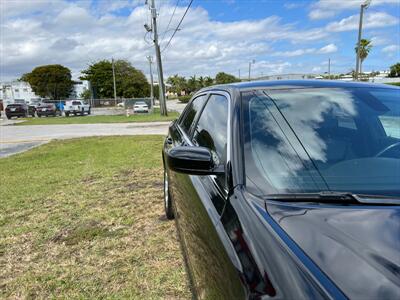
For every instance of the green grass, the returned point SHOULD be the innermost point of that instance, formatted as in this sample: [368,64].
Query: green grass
[151,117]
[394,83]
[84,218]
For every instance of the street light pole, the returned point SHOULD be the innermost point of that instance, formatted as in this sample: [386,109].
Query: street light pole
[329,68]
[115,88]
[163,104]
[362,7]
[150,59]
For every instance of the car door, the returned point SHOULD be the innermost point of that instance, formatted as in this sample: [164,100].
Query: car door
[199,203]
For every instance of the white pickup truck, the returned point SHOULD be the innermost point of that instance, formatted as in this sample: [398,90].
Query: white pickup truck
[76,107]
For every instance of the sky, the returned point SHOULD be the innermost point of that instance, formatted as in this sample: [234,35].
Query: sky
[282,37]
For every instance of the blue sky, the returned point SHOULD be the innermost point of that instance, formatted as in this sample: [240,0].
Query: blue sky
[281,36]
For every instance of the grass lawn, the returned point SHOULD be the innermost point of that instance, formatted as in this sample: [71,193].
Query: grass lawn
[84,218]
[394,83]
[151,117]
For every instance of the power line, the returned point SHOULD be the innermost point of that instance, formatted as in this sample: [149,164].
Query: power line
[177,27]
[169,23]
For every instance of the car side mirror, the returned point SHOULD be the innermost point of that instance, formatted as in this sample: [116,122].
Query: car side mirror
[192,160]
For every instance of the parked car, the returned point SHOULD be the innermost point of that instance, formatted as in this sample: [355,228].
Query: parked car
[140,107]
[76,107]
[288,190]
[47,109]
[35,102]
[19,110]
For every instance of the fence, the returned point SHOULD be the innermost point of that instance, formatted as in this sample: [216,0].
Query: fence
[127,103]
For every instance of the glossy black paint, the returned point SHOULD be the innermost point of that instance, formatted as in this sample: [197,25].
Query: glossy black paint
[191,160]
[239,246]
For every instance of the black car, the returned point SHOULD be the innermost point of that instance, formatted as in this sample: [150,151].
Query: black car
[19,110]
[47,109]
[288,190]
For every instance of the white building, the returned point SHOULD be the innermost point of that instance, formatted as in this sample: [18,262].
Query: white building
[20,91]
[79,88]
[16,91]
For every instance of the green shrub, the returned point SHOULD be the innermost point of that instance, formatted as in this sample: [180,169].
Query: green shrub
[184,99]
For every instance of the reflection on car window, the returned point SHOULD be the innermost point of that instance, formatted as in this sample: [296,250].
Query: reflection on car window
[211,129]
[310,140]
[191,112]
[391,119]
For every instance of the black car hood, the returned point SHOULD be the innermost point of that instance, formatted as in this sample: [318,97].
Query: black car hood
[357,247]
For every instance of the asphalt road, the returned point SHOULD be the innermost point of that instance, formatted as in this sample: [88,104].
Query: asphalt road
[15,139]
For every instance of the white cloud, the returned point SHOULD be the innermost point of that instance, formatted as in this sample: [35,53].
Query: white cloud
[76,34]
[329,8]
[391,49]
[293,5]
[328,49]
[316,69]
[379,40]
[297,52]
[372,20]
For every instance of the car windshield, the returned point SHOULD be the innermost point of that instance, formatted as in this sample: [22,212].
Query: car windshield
[140,103]
[323,139]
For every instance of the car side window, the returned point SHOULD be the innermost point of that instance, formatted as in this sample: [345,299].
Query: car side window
[211,128]
[191,112]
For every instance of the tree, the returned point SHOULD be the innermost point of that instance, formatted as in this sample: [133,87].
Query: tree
[85,94]
[192,84]
[201,82]
[178,83]
[208,81]
[222,78]
[395,70]
[53,81]
[130,82]
[365,48]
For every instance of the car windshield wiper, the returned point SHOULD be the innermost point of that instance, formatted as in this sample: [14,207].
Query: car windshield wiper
[334,197]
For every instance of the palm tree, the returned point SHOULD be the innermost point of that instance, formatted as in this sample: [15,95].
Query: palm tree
[192,83]
[365,48]
[208,81]
[200,82]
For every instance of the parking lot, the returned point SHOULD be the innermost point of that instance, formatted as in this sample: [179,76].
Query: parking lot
[16,139]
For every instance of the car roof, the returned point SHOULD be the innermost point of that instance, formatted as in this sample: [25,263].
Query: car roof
[292,84]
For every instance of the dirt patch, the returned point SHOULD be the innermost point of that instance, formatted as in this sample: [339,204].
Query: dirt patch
[83,232]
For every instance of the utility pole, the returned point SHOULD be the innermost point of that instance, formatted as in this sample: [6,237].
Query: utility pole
[239,73]
[250,62]
[329,68]
[163,104]
[150,59]
[115,88]
[362,7]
